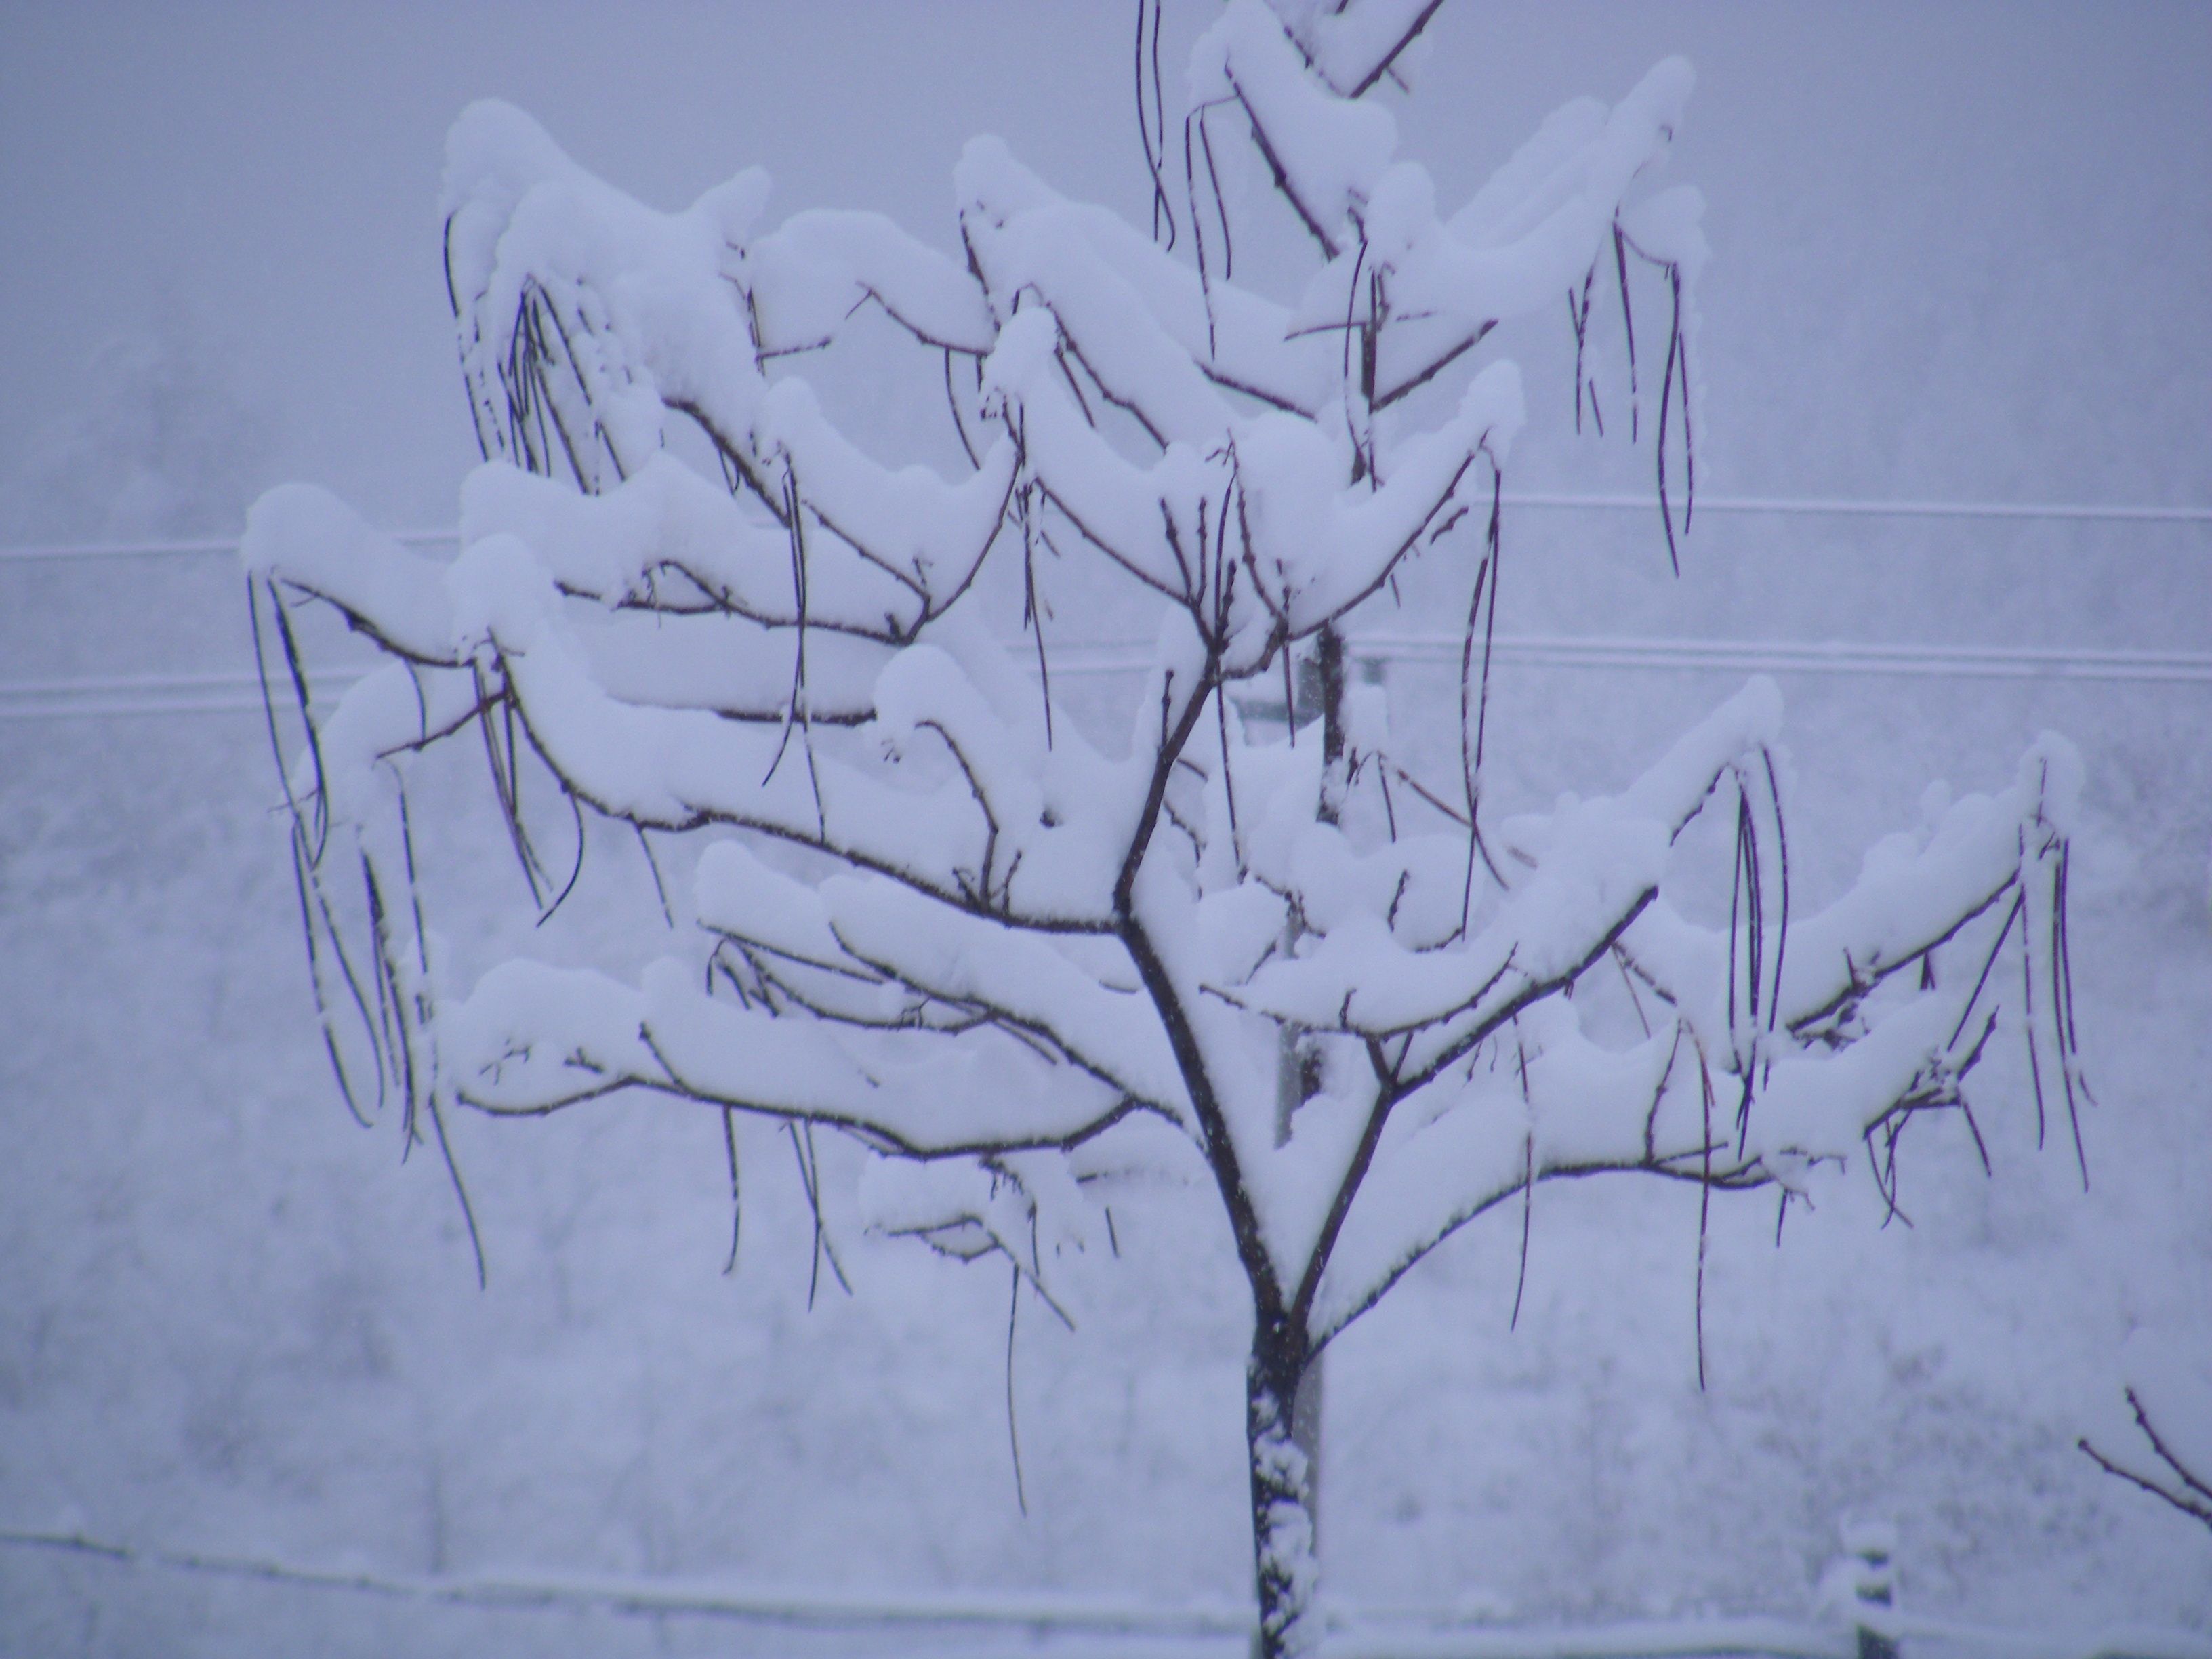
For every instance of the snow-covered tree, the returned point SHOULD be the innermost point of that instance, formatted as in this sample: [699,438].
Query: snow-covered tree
[935,911]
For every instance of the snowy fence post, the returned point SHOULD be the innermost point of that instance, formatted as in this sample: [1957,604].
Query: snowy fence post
[1871,1564]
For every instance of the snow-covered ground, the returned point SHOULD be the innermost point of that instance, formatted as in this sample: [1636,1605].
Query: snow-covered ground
[1959,256]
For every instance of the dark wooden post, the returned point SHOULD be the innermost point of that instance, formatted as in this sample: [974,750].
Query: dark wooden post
[1873,1547]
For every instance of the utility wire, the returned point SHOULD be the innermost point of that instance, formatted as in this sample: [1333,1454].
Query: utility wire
[660,1597]
[117,695]
[1839,506]
[1783,506]
[1368,1629]
[185,547]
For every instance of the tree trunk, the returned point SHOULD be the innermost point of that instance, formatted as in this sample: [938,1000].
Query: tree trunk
[1288,1569]
[1282,1386]
[1292,1083]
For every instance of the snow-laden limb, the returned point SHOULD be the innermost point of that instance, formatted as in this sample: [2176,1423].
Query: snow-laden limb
[681,769]
[898,956]
[807,277]
[913,1092]
[1016,831]
[1414,1015]
[925,535]
[1264,539]
[1312,553]
[1909,884]
[1354,47]
[307,539]
[531,1039]
[569,294]
[1105,325]
[1027,1206]
[1594,866]
[1241,341]
[1140,517]
[1531,233]
[586,316]
[1547,1104]
[958,958]
[884,557]
[1838,1072]
[1850,1044]
[1325,150]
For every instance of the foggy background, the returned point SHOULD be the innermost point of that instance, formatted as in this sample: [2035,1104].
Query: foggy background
[1960,253]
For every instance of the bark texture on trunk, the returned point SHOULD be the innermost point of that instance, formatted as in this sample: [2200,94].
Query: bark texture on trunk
[1286,1567]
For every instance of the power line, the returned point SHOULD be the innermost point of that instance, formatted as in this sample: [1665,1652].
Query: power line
[189,546]
[1811,657]
[113,694]
[1738,656]
[1030,1616]
[1783,506]
[1839,506]
[651,1597]
[122,696]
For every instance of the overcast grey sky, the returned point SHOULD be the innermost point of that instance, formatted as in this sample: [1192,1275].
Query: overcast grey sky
[1962,250]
